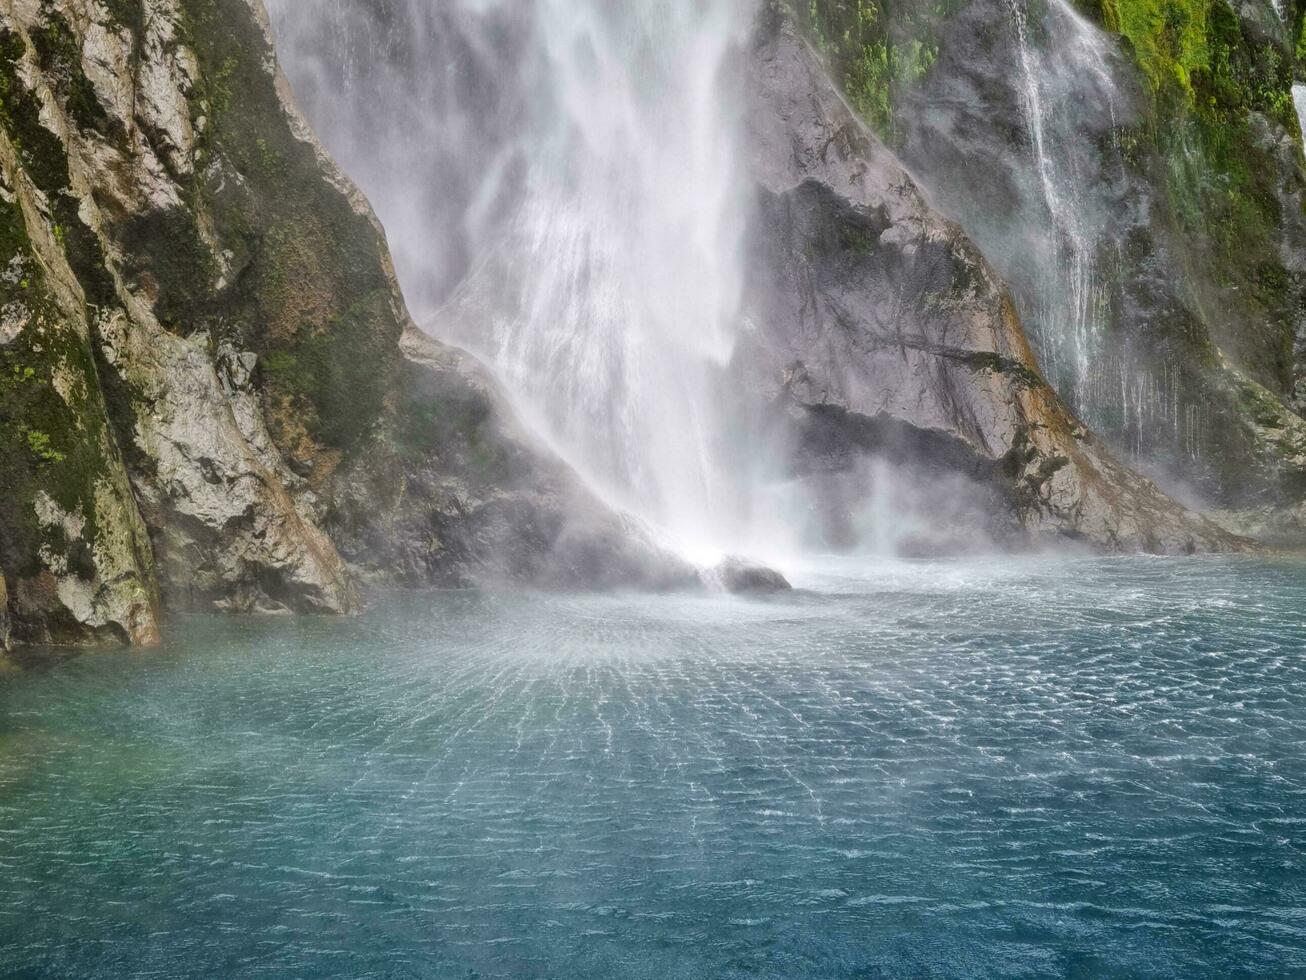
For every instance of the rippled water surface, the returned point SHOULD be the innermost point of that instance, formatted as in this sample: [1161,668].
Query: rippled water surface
[939,769]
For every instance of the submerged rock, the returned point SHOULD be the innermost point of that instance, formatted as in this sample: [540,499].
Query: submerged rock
[739,575]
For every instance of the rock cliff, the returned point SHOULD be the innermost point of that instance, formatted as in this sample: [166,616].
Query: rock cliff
[890,337]
[212,396]
[1134,173]
[206,394]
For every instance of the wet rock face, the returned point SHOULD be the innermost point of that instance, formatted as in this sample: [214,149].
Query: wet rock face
[5,634]
[884,334]
[200,310]
[72,543]
[212,394]
[134,188]
[1179,289]
[455,493]
[742,577]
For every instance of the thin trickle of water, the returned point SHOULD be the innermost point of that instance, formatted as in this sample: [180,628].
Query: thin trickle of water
[1299,103]
[1065,65]
[1073,305]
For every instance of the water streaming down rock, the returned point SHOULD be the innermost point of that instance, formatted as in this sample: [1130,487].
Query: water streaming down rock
[585,236]
[1071,306]
[1123,243]
[565,187]
[586,202]
[1057,208]
[1299,103]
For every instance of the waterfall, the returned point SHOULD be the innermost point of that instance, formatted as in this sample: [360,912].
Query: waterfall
[561,185]
[1072,307]
[1299,103]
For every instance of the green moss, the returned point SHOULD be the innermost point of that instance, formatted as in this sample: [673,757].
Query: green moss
[38,444]
[39,150]
[53,443]
[452,423]
[875,48]
[339,393]
[59,54]
[1169,37]
[313,301]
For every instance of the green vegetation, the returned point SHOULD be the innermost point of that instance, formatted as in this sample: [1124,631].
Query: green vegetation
[1197,50]
[39,445]
[877,49]
[52,436]
[1214,89]
[1209,77]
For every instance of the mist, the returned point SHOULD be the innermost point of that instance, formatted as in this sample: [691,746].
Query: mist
[561,183]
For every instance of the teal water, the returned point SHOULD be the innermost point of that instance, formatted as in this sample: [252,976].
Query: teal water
[1026,768]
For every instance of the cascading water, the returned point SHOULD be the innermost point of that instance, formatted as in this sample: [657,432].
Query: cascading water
[1072,306]
[559,183]
[1070,202]
[1299,103]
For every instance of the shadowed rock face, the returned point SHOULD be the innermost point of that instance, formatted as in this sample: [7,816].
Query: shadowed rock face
[885,335]
[5,638]
[454,492]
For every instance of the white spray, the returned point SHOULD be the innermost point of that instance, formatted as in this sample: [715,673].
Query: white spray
[560,181]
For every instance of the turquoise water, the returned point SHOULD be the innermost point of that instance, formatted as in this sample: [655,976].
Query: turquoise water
[1025,768]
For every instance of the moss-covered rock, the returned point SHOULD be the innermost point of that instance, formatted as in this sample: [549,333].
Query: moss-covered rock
[72,543]
[6,636]
[907,350]
[162,231]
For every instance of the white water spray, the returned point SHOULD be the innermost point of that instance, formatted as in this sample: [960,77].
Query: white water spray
[561,185]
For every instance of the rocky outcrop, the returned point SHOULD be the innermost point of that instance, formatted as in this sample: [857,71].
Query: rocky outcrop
[742,577]
[212,396]
[1141,197]
[205,382]
[72,543]
[889,338]
[456,493]
[6,639]
[1186,270]
[134,181]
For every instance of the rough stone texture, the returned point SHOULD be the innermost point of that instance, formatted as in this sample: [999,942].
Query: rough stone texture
[888,336]
[6,642]
[1191,296]
[456,492]
[72,544]
[225,528]
[740,576]
[201,334]
[239,327]
[229,535]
